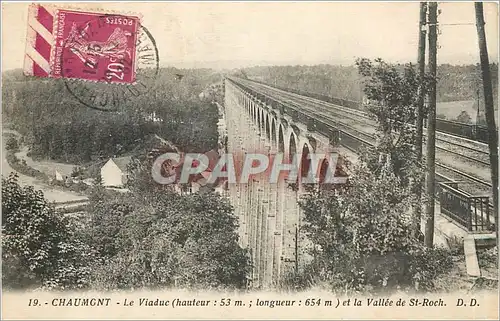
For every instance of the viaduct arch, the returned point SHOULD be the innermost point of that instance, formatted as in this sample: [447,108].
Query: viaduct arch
[269,216]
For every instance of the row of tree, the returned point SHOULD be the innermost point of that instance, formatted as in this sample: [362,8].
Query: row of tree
[456,82]
[57,127]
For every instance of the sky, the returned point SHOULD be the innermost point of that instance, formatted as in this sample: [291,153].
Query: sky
[240,34]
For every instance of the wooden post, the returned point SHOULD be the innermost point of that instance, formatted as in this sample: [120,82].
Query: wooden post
[431,127]
[488,107]
[420,110]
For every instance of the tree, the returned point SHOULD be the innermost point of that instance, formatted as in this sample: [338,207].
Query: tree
[77,172]
[210,256]
[363,236]
[12,144]
[154,237]
[365,233]
[464,117]
[39,248]
[56,127]
[395,91]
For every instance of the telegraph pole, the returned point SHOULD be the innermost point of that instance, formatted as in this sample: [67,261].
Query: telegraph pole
[420,108]
[431,127]
[488,107]
[477,114]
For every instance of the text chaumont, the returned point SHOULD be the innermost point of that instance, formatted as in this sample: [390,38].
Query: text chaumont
[84,302]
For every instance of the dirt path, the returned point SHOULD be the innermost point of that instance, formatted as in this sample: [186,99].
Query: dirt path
[51,194]
[46,167]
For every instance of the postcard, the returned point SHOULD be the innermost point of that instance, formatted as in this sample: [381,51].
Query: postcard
[250,160]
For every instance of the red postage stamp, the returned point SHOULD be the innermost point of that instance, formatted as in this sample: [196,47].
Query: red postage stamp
[83,45]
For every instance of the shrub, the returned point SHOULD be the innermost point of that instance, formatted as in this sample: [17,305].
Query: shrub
[78,187]
[365,236]
[12,144]
[77,172]
[162,239]
[23,168]
[464,117]
[455,244]
[426,265]
[39,249]
[488,257]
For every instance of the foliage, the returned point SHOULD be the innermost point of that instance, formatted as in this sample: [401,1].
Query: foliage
[12,147]
[12,144]
[154,237]
[364,232]
[329,80]
[77,172]
[97,179]
[488,257]
[455,244]
[22,167]
[79,187]
[150,237]
[464,117]
[303,279]
[57,127]
[38,246]
[395,95]
[441,116]
[456,82]
[363,236]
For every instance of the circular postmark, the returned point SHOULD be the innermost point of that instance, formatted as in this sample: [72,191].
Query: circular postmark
[109,61]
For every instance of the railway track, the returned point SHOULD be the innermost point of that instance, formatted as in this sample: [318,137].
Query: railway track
[474,151]
[478,153]
[465,132]
[357,124]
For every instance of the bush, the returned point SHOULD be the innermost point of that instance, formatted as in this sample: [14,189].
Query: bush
[365,235]
[455,244]
[22,167]
[464,117]
[162,239]
[79,187]
[488,257]
[307,278]
[12,144]
[426,265]
[39,249]
[77,172]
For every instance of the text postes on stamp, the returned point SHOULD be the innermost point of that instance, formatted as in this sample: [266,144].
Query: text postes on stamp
[96,48]
[104,59]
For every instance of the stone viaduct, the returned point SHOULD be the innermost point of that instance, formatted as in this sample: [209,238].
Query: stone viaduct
[269,216]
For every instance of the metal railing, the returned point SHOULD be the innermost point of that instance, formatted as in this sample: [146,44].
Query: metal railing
[469,131]
[472,212]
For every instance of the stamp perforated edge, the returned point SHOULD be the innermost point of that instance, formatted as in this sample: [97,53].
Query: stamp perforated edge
[54,10]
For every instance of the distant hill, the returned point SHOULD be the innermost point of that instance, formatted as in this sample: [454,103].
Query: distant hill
[455,83]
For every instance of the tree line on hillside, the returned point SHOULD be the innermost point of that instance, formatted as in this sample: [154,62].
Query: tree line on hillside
[455,82]
[57,127]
